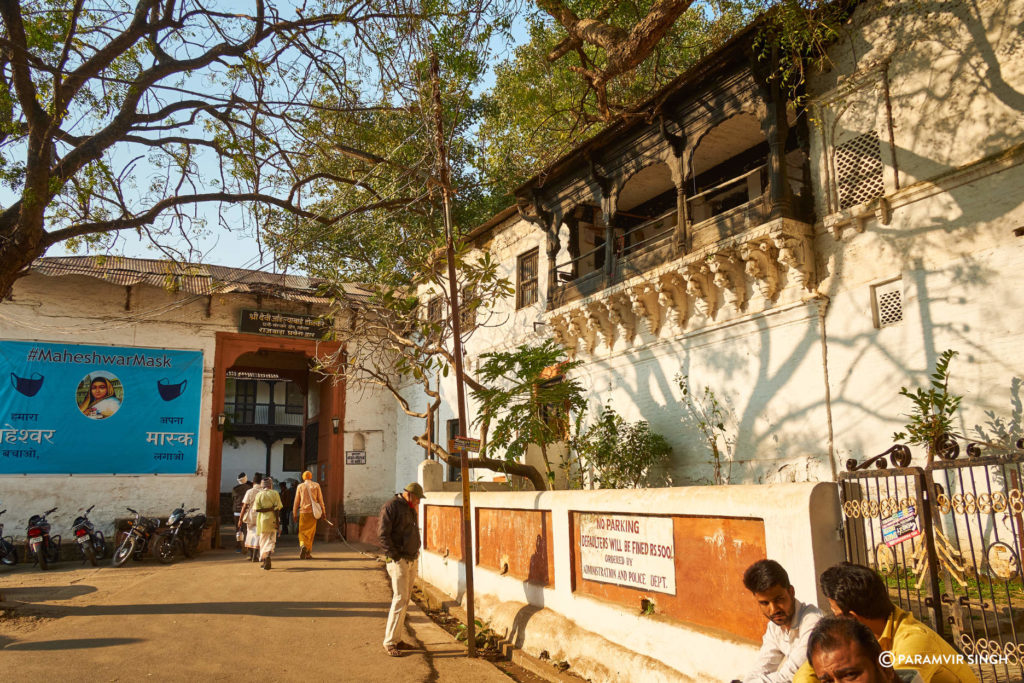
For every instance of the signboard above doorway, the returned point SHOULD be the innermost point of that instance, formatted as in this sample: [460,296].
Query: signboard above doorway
[273,323]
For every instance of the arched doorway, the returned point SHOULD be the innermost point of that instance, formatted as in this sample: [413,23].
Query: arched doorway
[265,409]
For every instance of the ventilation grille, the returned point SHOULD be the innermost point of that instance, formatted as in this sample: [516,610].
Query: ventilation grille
[859,170]
[888,304]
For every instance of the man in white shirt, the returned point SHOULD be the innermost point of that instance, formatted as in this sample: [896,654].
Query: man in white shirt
[784,646]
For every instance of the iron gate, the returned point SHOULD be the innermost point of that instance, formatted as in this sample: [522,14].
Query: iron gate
[947,539]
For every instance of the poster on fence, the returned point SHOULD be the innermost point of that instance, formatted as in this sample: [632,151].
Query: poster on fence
[78,409]
[900,526]
[635,551]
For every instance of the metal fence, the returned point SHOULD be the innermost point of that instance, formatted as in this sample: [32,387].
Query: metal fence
[947,538]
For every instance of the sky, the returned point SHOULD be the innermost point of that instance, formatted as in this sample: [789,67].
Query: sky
[238,247]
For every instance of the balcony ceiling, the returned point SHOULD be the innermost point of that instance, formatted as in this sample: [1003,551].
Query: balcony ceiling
[645,184]
[726,140]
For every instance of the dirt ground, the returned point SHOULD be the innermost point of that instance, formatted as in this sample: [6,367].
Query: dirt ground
[218,617]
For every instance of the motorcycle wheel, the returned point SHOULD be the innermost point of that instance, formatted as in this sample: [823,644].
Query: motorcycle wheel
[90,553]
[164,548]
[10,557]
[124,551]
[100,543]
[41,558]
[52,552]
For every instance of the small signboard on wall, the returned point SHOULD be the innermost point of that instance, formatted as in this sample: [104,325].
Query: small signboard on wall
[293,325]
[355,457]
[628,550]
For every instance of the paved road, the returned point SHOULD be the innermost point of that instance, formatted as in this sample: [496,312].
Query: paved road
[219,618]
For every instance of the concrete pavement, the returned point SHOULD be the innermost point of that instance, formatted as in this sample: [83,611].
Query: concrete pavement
[218,617]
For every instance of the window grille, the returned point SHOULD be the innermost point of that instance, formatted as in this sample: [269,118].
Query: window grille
[467,309]
[526,287]
[435,310]
[859,170]
[888,304]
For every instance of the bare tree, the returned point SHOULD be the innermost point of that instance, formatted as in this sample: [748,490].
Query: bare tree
[120,118]
[399,341]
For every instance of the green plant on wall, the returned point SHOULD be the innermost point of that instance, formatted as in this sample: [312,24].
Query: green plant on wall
[621,454]
[931,418]
[708,413]
[530,398]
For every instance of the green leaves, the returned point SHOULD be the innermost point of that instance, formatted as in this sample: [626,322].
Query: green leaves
[933,409]
[620,454]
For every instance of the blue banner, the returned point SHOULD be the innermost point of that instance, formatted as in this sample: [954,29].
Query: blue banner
[76,409]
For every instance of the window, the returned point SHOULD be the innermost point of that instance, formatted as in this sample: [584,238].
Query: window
[435,309]
[859,170]
[294,399]
[887,300]
[526,279]
[245,401]
[467,309]
[454,473]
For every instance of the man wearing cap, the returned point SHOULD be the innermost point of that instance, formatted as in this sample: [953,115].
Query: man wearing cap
[267,505]
[399,535]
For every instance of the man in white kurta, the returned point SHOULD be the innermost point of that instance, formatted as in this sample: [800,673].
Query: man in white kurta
[790,622]
[267,505]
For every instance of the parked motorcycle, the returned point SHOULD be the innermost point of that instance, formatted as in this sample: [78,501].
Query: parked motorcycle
[91,541]
[45,548]
[192,528]
[137,540]
[8,553]
[168,542]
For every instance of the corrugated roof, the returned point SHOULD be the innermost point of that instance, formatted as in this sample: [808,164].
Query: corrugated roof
[191,278]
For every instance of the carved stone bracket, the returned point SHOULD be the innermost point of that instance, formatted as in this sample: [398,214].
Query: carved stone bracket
[620,312]
[795,254]
[581,330]
[727,269]
[698,285]
[672,297]
[645,305]
[760,264]
[561,330]
[600,322]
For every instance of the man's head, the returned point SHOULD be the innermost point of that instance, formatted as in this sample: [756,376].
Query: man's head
[769,583]
[413,493]
[242,478]
[843,650]
[257,479]
[856,591]
[267,483]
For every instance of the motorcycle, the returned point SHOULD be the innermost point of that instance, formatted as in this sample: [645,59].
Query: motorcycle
[137,539]
[175,537]
[8,553]
[91,541]
[192,528]
[45,548]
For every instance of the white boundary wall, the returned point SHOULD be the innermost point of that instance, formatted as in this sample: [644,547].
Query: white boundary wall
[801,532]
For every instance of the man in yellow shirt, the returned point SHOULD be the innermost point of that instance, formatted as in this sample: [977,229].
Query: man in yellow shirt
[858,592]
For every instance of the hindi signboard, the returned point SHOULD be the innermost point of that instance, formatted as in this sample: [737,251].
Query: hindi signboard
[78,409]
[635,551]
[293,325]
[465,443]
[355,457]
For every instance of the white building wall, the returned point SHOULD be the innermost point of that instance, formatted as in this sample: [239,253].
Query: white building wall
[370,426]
[955,80]
[84,310]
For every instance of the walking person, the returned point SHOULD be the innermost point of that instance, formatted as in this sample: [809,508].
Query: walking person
[237,494]
[248,518]
[287,499]
[267,505]
[308,508]
[399,535]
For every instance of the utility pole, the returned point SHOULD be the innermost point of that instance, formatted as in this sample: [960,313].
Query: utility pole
[444,176]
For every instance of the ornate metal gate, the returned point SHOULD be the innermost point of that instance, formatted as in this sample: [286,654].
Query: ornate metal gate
[947,539]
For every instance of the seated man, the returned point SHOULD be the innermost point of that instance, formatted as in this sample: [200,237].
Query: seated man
[858,592]
[843,650]
[784,646]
